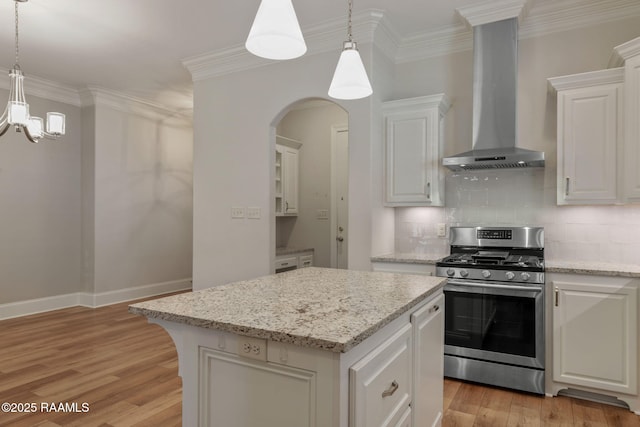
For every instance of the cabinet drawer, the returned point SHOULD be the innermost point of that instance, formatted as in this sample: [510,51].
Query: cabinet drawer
[381,382]
[405,419]
[305,261]
[286,262]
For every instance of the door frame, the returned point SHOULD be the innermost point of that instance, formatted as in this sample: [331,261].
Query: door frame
[335,129]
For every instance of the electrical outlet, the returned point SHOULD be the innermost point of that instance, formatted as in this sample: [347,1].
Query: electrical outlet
[253,348]
[237,212]
[442,229]
[253,213]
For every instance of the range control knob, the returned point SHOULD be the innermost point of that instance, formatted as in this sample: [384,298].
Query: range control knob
[525,276]
[450,272]
[486,274]
[510,275]
[464,273]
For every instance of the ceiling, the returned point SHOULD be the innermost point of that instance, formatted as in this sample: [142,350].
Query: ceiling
[137,47]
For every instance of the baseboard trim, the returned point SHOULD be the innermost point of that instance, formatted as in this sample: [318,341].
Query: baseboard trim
[91,300]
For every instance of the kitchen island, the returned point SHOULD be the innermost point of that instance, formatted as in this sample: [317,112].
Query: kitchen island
[311,347]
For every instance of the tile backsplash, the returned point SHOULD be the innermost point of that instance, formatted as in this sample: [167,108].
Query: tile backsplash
[520,197]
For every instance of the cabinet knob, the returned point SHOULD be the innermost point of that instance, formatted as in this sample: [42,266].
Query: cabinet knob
[340,238]
[566,187]
[434,308]
[392,389]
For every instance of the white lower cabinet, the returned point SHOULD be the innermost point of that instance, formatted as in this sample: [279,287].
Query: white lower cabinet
[393,378]
[381,383]
[595,335]
[428,331]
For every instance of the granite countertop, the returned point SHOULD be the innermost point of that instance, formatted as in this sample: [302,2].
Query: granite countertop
[321,308]
[595,268]
[408,258]
[286,250]
[571,267]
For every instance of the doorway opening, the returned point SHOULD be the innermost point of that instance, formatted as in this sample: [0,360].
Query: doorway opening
[311,167]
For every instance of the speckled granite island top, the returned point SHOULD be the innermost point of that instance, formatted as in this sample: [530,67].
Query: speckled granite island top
[312,307]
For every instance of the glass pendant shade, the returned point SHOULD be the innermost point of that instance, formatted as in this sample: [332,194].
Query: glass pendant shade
[35,127]
[18,113]
[55,123]
[350,79]
[275,33]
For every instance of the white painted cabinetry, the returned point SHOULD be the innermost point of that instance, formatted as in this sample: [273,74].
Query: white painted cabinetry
[590,136]
[413,144]
[287,165]
[595,335]
[428,331]
[599,132]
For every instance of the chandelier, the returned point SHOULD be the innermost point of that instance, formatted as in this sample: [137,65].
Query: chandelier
[17,111]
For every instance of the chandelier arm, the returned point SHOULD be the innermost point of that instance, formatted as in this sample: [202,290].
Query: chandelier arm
[28,134]
[4,127]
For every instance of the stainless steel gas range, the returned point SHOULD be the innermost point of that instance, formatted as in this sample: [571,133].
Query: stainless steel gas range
[494,306]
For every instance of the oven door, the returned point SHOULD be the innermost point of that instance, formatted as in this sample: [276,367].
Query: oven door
[497,322]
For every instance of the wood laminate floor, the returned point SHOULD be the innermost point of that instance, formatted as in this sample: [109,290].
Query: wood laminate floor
[126,371]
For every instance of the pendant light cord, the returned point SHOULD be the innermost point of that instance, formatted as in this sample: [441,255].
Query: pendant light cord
[349,35]
[17,40]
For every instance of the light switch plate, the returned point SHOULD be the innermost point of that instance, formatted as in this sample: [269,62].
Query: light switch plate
[322,214]
[237,212]
[253,213]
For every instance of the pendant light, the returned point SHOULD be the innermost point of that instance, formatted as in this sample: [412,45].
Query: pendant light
[16,113]
[275,33]
[350,79]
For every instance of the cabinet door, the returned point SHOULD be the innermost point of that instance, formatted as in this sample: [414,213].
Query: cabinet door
[632,129]
[428,330]
[595,335]
[589,131]
[275,395]
[413,141]
[290,170]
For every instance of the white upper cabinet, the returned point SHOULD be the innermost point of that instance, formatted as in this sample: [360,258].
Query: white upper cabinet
[599,132]
[629,54]
[287,176]
[590,136]
[413,143]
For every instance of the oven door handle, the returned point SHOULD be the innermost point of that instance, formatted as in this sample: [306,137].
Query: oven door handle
[451,286]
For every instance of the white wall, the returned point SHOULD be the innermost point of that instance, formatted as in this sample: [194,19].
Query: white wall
[580,233]
[312,126]
[234,119]
[101,215]
[40,210]
[142,199]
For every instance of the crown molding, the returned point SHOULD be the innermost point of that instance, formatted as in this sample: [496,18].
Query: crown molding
[492,11]
[591,78]
[624,51]
[46,89]
[372,26]
[565,15]
[128,104]
[321,38]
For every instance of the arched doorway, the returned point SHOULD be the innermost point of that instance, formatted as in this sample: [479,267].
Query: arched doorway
[319,220]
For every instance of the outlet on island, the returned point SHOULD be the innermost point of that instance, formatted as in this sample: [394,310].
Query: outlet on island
[253,348]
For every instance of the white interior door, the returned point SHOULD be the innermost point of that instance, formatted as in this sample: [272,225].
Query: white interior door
[340,191]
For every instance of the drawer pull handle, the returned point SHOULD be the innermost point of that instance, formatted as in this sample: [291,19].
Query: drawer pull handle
[434,308]
[392,389]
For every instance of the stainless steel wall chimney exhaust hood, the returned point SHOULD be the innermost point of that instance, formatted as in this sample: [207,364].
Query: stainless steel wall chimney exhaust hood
[495,69]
